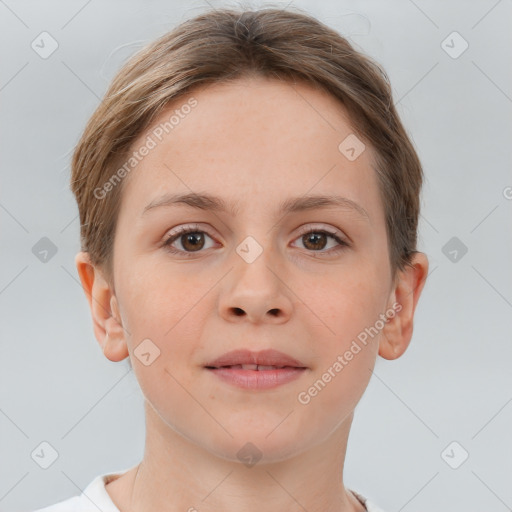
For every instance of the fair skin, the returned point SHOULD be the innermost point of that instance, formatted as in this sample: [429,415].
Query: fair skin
[256,143]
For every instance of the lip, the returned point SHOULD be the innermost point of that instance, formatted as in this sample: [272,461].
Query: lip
[269,357]
[228,368]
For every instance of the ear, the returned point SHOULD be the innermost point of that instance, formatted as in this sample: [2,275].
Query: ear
[107,323]
[397,332]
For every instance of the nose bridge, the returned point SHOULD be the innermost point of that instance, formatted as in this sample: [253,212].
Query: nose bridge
[254,264]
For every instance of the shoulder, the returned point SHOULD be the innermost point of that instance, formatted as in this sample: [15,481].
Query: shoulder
[369,505]
[93,498]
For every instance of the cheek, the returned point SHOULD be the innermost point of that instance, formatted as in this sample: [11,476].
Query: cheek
[345,303]
[168,310]
[346,347]
[155,300]
[349,309]
[162,315]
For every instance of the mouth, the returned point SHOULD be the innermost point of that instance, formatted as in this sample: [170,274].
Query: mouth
[264,359]
[256,370]
[258,367]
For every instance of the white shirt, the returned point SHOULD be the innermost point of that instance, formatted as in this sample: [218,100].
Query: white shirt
[95,497]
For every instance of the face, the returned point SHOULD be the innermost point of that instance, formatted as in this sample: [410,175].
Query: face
[306,281]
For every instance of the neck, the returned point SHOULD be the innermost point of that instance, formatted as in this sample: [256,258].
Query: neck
[176,474]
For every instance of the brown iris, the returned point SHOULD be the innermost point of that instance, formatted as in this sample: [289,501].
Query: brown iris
[319,240]
[193,241]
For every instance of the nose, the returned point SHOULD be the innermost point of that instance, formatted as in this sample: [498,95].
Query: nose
[256,292]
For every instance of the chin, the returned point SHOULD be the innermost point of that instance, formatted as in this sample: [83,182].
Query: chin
[254,452]
[264,445]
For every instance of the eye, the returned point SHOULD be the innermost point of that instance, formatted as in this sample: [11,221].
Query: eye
[315,240]
[191,239]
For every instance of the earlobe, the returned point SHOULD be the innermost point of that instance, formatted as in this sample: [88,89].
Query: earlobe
[115,349]
[104,309]
[397,333]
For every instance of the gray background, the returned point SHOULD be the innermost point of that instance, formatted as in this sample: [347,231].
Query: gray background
[454,383]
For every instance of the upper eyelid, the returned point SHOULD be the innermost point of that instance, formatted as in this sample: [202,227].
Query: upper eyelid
[302,229]
[332,231]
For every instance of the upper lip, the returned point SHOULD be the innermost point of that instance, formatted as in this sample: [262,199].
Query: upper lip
[269,357]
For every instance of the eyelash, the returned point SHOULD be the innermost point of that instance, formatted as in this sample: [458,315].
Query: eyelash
[343,244]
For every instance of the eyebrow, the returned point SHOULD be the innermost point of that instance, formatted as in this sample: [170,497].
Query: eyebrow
[293,204]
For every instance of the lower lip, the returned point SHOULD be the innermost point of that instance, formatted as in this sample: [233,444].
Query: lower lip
[258,379]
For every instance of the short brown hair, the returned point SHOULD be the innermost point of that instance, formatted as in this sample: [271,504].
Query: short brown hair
[222,45]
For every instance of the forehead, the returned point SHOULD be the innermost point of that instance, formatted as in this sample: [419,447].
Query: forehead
[253,138]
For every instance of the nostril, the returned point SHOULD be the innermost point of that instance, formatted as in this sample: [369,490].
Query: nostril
[238,311]
[274,312]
